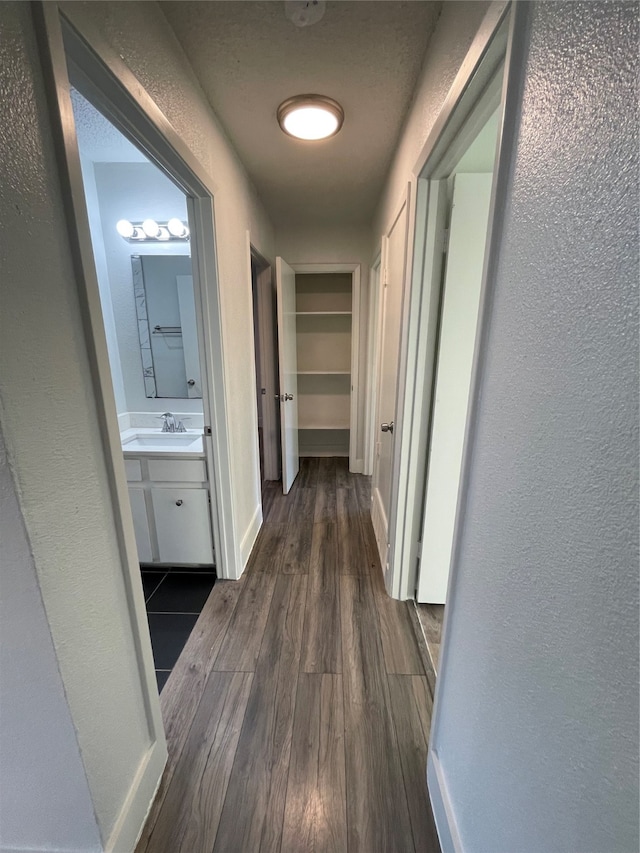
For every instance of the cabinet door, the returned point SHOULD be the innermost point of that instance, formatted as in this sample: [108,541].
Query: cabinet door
[140,524]
[183,526]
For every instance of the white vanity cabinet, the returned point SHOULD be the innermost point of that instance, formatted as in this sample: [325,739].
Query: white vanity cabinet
[170,506]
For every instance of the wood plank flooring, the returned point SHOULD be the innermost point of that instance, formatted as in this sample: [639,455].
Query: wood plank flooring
[298,714]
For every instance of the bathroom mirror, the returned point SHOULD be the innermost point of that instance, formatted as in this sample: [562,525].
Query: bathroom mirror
[165,309]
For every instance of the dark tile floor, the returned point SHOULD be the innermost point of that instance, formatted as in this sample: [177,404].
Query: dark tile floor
[174,599]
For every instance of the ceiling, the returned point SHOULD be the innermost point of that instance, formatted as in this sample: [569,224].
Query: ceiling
[367,55]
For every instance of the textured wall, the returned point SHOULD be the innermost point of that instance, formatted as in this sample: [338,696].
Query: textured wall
[52,435]
[139,34]
[537,727]
[41,774]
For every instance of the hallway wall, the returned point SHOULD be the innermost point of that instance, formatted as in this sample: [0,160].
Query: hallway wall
[40,774]
[48,407]
[536,727]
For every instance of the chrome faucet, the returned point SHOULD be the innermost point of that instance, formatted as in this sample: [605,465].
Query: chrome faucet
[169,423]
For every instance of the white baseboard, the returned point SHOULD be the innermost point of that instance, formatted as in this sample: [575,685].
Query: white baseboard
[250,535]
[358,466]
[442,807]
[380,527]
[133,814]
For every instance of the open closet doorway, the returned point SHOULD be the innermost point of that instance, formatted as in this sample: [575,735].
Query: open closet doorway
[318,346]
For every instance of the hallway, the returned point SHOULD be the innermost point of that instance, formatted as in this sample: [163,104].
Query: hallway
[298,714]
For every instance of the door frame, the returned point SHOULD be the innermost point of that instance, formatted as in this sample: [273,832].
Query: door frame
[355,465]
[373,356]
[422,302]
[114,90]
[267,343]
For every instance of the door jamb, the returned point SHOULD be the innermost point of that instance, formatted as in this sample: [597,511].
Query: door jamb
[373,355]
[268,362]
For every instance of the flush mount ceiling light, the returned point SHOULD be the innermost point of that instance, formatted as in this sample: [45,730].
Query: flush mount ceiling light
[310,117]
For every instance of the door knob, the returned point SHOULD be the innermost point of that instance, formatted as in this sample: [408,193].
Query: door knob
[288,396]
[178,503]
[387,427]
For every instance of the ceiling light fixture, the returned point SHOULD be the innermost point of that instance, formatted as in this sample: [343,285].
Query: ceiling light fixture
[310,117]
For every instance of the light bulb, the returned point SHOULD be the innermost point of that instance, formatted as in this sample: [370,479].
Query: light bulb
[163,234]
[177,227]
[150,227]
[124,228]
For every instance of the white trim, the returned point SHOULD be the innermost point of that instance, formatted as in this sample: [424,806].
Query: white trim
[380,527]
[442,806]
[268,364]
[133,814]
[373,353]
[355,465]
[250,535]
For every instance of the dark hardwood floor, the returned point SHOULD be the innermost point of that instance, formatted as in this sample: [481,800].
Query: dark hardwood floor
[298,714]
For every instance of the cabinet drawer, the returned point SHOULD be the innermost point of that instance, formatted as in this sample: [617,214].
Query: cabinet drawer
[133,470]
[182,525]
[178,470]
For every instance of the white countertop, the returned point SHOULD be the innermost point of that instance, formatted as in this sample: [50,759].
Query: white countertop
[139,441]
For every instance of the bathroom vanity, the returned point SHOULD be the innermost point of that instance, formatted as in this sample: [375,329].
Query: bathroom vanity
[169,494]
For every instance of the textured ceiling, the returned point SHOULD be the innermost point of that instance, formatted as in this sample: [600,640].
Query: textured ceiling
[98,139]
[367,55]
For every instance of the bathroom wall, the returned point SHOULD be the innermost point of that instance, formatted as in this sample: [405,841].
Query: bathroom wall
[536,728]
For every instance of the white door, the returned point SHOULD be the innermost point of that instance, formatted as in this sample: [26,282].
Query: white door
[391,316]
[288,369]
[459,320]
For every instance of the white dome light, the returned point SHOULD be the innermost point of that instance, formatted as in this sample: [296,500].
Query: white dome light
[124,228]
[310,117]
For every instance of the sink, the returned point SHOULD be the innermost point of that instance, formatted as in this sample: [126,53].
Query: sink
[163,442]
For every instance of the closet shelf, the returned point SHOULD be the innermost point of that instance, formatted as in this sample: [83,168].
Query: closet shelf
[324,373]
[342,425]
[323,313]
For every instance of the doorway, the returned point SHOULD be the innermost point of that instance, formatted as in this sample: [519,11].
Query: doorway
[266,367]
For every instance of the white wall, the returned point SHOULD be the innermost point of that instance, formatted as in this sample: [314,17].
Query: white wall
[48,406]
[52,436]
[139,33]
[42,773]
[537,704]
[329,245]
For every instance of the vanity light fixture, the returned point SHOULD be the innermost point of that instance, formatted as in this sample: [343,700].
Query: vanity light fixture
[310,117]
[151,231]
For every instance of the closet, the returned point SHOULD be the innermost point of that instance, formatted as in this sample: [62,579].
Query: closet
[324,343]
